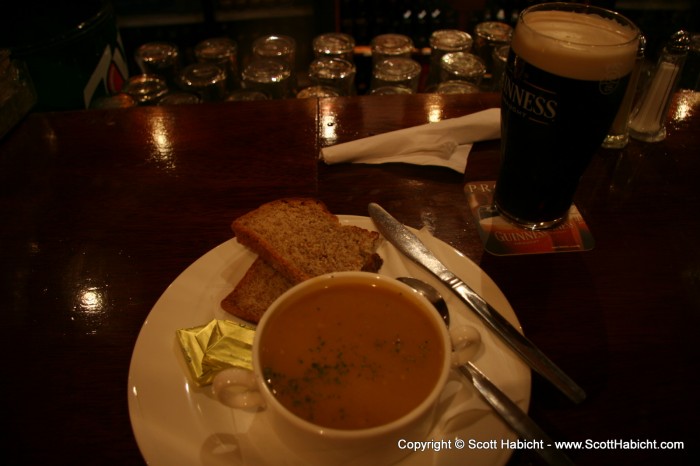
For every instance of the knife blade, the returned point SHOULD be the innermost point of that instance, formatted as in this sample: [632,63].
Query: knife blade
[515,417]
[411,246]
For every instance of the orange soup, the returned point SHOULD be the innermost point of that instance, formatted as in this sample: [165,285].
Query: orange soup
[349,357]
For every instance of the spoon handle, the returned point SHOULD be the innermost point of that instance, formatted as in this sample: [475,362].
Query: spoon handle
[515,417]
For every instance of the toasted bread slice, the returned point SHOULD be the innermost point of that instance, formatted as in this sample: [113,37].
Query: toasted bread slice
[301,239]
[258,288]
[295,239]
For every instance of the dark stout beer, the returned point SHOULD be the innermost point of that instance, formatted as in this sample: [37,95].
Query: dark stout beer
[565,79]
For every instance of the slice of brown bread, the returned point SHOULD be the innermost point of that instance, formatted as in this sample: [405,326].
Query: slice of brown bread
[295,239]
[258,288]
[301,239]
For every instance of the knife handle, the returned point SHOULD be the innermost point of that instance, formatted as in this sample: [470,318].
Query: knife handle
[534,357]
[515,417]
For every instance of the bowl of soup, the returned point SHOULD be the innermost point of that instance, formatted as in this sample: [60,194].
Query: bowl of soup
[347,364]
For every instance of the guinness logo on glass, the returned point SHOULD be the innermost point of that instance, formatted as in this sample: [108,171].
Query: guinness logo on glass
[522,98]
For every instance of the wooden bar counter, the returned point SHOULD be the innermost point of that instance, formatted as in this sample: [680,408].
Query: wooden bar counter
[103,209]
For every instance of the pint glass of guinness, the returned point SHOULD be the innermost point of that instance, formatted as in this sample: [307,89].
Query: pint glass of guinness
[565,78]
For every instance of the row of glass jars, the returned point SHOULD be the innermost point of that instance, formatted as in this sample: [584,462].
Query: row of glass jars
[457,64]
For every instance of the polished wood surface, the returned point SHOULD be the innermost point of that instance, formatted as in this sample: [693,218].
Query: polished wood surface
[101,210]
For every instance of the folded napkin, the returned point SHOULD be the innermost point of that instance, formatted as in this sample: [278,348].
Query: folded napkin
[445,143]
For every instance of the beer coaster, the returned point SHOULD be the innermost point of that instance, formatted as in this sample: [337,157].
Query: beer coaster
[502,238]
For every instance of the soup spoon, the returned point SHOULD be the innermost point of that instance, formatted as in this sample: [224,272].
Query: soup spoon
[510,412]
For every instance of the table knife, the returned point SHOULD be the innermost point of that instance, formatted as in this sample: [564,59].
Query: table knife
[411,246]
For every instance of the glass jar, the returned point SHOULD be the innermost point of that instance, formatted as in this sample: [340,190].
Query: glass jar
[334,44]
[207,80]
[457,87]
[335,73]
[145,89]
[396,71]
[276,47]
[159,59]
[317,92]
[223,52]
[390,46]
[444,41]
[271,77]
[488,36]
[179,98]
[463,67]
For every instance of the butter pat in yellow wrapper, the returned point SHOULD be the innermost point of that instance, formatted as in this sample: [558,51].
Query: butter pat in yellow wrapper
[218,345]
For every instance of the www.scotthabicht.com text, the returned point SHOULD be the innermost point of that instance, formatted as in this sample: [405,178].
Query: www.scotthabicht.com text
[507,444]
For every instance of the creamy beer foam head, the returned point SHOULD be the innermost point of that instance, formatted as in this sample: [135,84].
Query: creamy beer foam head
[576,45]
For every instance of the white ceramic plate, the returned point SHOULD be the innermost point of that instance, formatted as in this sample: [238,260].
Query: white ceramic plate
[177,423]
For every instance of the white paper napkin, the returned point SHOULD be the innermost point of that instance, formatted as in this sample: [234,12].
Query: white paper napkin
[445,143]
